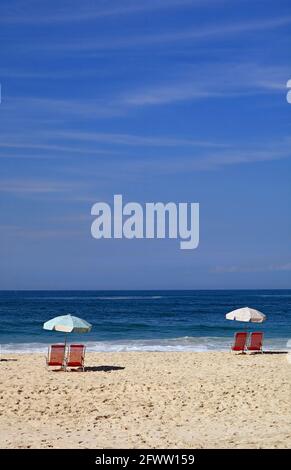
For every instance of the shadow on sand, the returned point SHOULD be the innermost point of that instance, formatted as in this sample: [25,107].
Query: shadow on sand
[275,352]
[90,369]
[103,368]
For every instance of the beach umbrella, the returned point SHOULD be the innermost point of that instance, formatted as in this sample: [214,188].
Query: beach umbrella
[246,314]
[67,324]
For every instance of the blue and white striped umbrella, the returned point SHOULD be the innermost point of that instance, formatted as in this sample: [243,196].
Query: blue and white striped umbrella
[67,324]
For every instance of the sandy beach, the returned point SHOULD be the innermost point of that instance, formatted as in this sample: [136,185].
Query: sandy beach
[147,400]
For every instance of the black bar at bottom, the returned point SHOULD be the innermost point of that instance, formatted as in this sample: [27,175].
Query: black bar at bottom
[129,458]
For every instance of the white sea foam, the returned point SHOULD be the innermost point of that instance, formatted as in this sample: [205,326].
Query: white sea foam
[186,343]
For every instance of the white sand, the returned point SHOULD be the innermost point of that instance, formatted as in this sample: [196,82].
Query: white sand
[170,400]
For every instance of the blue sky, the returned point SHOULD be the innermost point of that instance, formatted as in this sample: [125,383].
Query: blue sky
[159,100]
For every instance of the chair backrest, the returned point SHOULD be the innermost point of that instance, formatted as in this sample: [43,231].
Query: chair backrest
[76,353]
[256,341]
[57,353]
[240,341]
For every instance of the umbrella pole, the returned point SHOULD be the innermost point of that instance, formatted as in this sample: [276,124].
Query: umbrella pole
[65,350]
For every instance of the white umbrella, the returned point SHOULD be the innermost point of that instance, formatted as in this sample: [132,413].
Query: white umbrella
[67,324]
[246,314]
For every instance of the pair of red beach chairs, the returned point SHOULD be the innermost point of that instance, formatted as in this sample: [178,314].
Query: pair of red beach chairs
[74,358]
[241,343]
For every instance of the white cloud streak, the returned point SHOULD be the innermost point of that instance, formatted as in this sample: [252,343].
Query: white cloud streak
[36,186]
[253,269]
[208,81]
[196,33]
[76,11]
[51,147]
[211,81]
[136,140]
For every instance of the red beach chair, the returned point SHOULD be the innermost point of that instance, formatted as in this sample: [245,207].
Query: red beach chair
[240,340]
[76,356]
[56,355]
[256,342]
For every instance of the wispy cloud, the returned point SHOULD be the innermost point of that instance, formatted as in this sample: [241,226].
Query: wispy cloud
[252,269]
[76,11]
[210,81]
[39,233]
[239,156]
[211,161]
[68,74]
[137,140]
[52,148]
[206,81]
[32,105]
[36,186]
[179,153]
[212,31]
[198,160]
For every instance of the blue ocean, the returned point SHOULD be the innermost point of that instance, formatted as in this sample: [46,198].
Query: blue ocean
[142,320]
